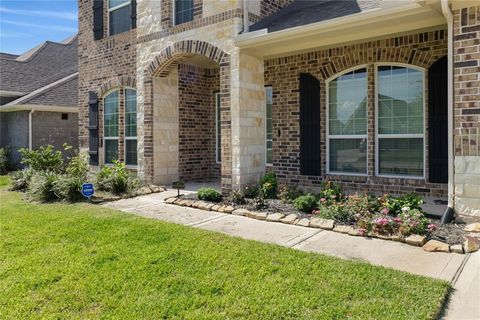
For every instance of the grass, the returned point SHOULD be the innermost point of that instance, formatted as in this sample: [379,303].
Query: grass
[85,261]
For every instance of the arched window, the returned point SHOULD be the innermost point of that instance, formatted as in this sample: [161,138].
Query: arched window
[347,123]
[400,121]
[130,127]
[110,126]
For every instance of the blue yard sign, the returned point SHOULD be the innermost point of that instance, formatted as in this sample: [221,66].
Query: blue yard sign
[87,190]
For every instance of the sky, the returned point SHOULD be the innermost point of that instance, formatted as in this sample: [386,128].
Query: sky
[25,24]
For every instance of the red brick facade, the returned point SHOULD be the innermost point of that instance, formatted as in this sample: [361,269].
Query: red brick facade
[282,74]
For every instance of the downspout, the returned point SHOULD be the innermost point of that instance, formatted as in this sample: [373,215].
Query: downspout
[449,213]
[30,126]
[245,16]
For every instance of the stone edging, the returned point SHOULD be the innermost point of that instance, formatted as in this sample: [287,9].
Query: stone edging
[471,244]
[139,192]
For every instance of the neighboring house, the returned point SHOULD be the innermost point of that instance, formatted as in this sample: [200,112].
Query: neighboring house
[350,91]
[38,97]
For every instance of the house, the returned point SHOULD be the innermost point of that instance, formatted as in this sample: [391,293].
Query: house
[380,96]
[38,97]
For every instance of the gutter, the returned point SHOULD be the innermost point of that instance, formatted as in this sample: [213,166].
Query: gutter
[38,107]
[245,16]
[30,126]
[449,213]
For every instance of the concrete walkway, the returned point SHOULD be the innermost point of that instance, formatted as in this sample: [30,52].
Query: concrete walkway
[462,270]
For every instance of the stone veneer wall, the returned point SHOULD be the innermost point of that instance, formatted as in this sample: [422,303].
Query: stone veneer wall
[197,144]
[103,65]
[421,49]
[467,110]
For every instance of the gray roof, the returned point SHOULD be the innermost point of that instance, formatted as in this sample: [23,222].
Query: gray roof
[39,66]
[303,12]
[63,94]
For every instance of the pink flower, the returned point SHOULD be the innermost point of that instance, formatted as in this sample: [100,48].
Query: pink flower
[323,200]
[432,227]
[385,211]
[397,220]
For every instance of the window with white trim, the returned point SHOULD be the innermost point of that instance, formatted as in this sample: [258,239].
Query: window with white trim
[119,16]
[183,11]
[110,126]
[218,127]
[347,123]
[400,121]
[130,127]
[269,124]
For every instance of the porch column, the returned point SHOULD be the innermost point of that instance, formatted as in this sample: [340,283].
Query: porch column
[248,119]
[467,107]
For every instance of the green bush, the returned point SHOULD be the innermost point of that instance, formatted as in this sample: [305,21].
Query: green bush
[20,179]
[250,192]
[5,165]
[268,185]
[42,186]
[331,193]
[116,179]
[306,203]
[209,194]
[236,197]
[69,186]
[288,194]
[43,159]
[335,212]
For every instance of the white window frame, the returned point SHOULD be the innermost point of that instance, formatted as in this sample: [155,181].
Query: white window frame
[393,136]
[174,22]
[218,151]
[103,124]
[113,9]
[125,126]
[268,164]
[351,136]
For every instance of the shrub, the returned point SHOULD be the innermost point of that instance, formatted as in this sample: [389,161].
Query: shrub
[288,194]
[116,179]
[269,185]
[307,203]
[209,194]
[236,197]
[259,201]
[69,186]
[20,179]
[412,221]
[43,159]
[331,193]
[337,212]
[250,192]
[42,186]
[5,165]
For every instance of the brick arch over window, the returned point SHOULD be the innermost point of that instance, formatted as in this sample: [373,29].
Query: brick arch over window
[182,50]
[161,66]
[395,55]
[117,82]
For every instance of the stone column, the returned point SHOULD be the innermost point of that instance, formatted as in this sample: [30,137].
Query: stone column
[467,107]
[248,115]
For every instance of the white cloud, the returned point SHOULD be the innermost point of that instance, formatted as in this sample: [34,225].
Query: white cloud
[66,15]
[40,26]
[14,34]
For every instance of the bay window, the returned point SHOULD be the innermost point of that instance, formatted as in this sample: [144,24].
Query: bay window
[269,125]
[110,126]
[347,123]
[119,16]
[400,121]
[130,127]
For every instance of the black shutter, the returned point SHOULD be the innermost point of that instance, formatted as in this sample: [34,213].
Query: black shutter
[97,19]
[438,122]
[134,14]
[309,88]
[93,127]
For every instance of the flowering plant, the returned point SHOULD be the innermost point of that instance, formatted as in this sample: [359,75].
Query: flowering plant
[331,193]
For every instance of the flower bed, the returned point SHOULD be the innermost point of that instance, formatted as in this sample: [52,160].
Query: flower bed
[386,217]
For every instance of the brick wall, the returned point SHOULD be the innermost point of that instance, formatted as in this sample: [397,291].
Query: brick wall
[50,128]
[197,123]
[102,65]
[282,74]
[467,81]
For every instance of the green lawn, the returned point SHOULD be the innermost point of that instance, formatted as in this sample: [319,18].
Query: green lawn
[83,261]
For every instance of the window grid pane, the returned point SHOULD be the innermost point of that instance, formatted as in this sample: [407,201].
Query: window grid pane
[269,124]
[111,115]
[348,155]
[120,20]
[130,113]
[111,150]
[183,11]
[401,156]
[131,152]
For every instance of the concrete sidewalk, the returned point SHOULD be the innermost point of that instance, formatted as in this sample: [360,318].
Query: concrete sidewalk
[462,270]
